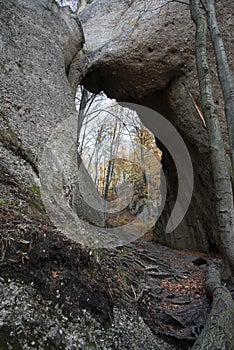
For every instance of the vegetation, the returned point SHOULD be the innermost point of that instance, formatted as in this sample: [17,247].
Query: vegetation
[221,171]
[117,149]
[217,333]
[165,286]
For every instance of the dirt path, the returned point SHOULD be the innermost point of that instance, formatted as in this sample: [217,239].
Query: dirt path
[167,288]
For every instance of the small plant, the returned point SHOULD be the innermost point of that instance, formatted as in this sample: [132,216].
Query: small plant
[35,190]
[121,276]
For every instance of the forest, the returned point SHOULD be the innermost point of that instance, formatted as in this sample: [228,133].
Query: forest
[116,172]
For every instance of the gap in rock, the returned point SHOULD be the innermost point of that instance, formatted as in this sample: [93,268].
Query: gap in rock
[121,157]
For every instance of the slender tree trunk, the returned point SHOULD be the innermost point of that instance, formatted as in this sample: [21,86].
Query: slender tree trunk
[109,169]
[81,113]
[224,73]
[95,151]
[221,175]
[81,148]
[143,195]
[108,179]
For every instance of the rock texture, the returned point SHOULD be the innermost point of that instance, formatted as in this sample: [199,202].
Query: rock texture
[38,42]
[143,52]
[26,322]
[138,51]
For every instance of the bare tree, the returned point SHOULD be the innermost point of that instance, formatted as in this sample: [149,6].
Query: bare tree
[224,73]
[221,174]
[85,103]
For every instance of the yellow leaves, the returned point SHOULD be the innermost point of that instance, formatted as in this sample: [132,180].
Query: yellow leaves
[102,178]
[193,285]
[54,274]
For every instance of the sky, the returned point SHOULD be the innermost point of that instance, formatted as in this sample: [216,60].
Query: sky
[72,3]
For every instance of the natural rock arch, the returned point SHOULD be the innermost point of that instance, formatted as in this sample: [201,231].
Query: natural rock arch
[154,65]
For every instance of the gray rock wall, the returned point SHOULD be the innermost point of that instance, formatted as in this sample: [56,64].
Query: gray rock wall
[38,42]
[146,55]
[135,51]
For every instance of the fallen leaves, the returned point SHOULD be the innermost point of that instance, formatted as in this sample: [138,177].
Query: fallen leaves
[54,274]
[186,289]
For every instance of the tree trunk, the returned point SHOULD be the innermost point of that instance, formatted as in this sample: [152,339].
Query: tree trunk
[109,169]
[218,331]
[221,175]
[224,73]
[81,113]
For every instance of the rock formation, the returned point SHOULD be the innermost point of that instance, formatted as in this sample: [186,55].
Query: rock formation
[38,42]
[143,52]
[35,57]
[135,51]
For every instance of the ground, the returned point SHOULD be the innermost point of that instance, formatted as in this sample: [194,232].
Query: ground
[165,286]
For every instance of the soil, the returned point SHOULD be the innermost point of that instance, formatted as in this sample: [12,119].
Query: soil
[165,286]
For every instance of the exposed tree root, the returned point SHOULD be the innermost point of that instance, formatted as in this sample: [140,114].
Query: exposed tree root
[218,331]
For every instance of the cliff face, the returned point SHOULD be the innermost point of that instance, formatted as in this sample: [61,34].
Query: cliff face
[135,51]
[143,52]
[38,42]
